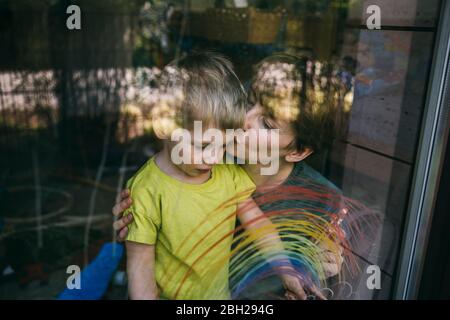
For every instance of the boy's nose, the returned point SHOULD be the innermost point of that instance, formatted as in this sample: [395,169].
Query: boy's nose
[246,124]
[214,158]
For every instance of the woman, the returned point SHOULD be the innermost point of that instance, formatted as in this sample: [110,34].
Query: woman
[292,95]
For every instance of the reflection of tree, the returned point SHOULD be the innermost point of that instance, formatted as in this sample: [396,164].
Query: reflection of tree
[152,40]
[74,82]
[299,89]
[61,97]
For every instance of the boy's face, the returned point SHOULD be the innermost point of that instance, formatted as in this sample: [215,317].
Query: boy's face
[201,151]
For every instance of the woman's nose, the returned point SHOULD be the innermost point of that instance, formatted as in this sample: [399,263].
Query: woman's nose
[246,124]
[250,117]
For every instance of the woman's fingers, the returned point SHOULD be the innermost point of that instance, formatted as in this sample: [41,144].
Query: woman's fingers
[125,194]
[331,263]
[331,269]
[123,201]
[294,288]
[290,296]
[297,294]
[316,292]
[120,207]
[122,222]
[122,234]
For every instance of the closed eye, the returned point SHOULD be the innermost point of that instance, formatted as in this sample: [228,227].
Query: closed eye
[267,124]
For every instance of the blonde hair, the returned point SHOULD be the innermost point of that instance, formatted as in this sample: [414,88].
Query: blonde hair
[203,87]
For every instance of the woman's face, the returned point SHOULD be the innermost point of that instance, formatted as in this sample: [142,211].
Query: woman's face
[256,118]
[274,104]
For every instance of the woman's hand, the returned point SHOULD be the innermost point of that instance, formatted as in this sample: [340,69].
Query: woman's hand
[331,260]
[120,225]
[298,289]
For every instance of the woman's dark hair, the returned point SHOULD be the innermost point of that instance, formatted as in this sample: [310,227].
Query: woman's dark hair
[307,93]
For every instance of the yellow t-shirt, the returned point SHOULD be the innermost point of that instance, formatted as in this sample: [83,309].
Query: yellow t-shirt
[191,227]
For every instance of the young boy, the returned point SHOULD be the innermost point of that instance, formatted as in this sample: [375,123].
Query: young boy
[184,213]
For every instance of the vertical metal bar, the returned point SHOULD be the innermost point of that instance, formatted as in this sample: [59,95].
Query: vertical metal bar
[428,166]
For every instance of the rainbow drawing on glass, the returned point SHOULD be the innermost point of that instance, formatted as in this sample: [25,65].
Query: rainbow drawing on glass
[309,217]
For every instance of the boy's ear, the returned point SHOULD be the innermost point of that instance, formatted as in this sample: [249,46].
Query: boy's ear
[160,132]
[296,156]
[163,128]
[163,123]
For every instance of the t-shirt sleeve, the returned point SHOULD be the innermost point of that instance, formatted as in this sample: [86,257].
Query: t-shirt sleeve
[243,183]
[146,214]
